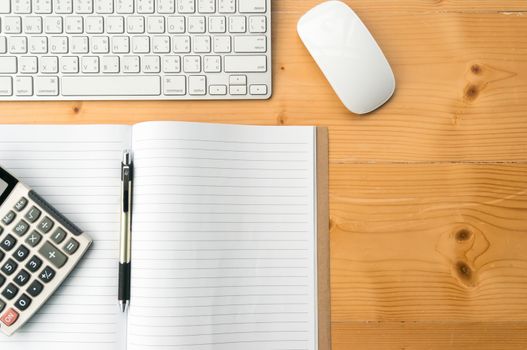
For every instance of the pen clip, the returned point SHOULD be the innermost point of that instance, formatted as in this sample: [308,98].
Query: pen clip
[126,178]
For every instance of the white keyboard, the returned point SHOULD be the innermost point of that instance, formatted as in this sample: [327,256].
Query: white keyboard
[135,49]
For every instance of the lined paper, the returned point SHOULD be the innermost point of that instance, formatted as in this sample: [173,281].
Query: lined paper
[223,238]
[76,169]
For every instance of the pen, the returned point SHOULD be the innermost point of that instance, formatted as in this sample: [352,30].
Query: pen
[125,251]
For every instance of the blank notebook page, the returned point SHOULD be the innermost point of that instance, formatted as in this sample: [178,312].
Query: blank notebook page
[223,238]
[76,169]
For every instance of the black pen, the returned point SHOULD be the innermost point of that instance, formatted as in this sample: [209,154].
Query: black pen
[125,250]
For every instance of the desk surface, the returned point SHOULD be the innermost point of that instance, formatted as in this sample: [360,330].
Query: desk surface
[428,195]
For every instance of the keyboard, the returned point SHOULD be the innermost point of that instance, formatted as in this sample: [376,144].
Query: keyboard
[39,247]
[135,49]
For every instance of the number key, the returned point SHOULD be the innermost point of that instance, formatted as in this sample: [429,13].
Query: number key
[21,253]
[45,225]
[35,288]
[21,204]
[34,264]
[8,242]
[9,267]
[22,278]
[33,214]
[23,302]
[10,291]
[9,217]
[21,228]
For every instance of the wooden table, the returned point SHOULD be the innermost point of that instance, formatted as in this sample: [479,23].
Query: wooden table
[428,195]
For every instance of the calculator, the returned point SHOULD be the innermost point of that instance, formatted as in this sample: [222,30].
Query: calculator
[39,248]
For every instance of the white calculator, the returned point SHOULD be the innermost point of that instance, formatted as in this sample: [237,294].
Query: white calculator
[39,247]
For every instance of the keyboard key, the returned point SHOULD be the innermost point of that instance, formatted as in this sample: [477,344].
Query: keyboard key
[34,264]
[252,6]
[9,267]
[258,89]
[241,64]
[8,65]
[21,253]
[33,214]
[45,225]
[47,86]
[21,228]
[238,90]
[23,302]
[35,288]
[9,217]
[33,239]
[174,85]
[197,84]
[186,6]
[58,236]
[218,90]
[71,246]
[47,275]
[24,86]
[9,317]
[8,242]
[53,254]
[21,204]
[111,86]
[250,43]
[257,24]
[22,278]
[6,84]
[227,6]
[10,291]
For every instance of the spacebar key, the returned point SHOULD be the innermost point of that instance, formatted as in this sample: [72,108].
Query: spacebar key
[122,85]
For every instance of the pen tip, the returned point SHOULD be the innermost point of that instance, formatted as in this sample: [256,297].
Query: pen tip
[123,305]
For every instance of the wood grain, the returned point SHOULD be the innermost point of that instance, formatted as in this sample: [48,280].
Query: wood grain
[428,195]
[428,242]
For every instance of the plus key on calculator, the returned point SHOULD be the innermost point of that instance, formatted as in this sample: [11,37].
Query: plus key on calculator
[39,248]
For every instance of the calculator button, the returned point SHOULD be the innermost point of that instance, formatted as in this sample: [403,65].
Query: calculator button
[21,253]
[21,228]
[2,254]
[47,275]
[8,242]
[23,302]
[1,230]
[9,318]
[33,214]
[9,217]
[22,278]
[2,281]
[9,267]
[10,291]
[2,305]
[21,204]
[33,239]
[35,288]
[34,264]
[53,254]
[46,225]
[58,236]
[71,247]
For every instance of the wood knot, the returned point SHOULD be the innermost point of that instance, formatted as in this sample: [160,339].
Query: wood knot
[476,69]
[76,110]
[471,92]
[463,235]
[282,120]
[282,68]
[464,271]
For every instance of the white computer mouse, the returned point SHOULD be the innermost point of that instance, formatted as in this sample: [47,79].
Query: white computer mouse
[348,55]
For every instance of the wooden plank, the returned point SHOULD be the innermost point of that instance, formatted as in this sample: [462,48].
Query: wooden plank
[429,336]
[428,242]
[462,92]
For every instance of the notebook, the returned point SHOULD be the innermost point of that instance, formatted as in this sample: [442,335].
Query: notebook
[230,235]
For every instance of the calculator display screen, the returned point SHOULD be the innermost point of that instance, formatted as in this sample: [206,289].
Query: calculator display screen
[7,183]
[3,186]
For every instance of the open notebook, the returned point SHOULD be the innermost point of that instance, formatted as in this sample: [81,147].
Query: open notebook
[230,241]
